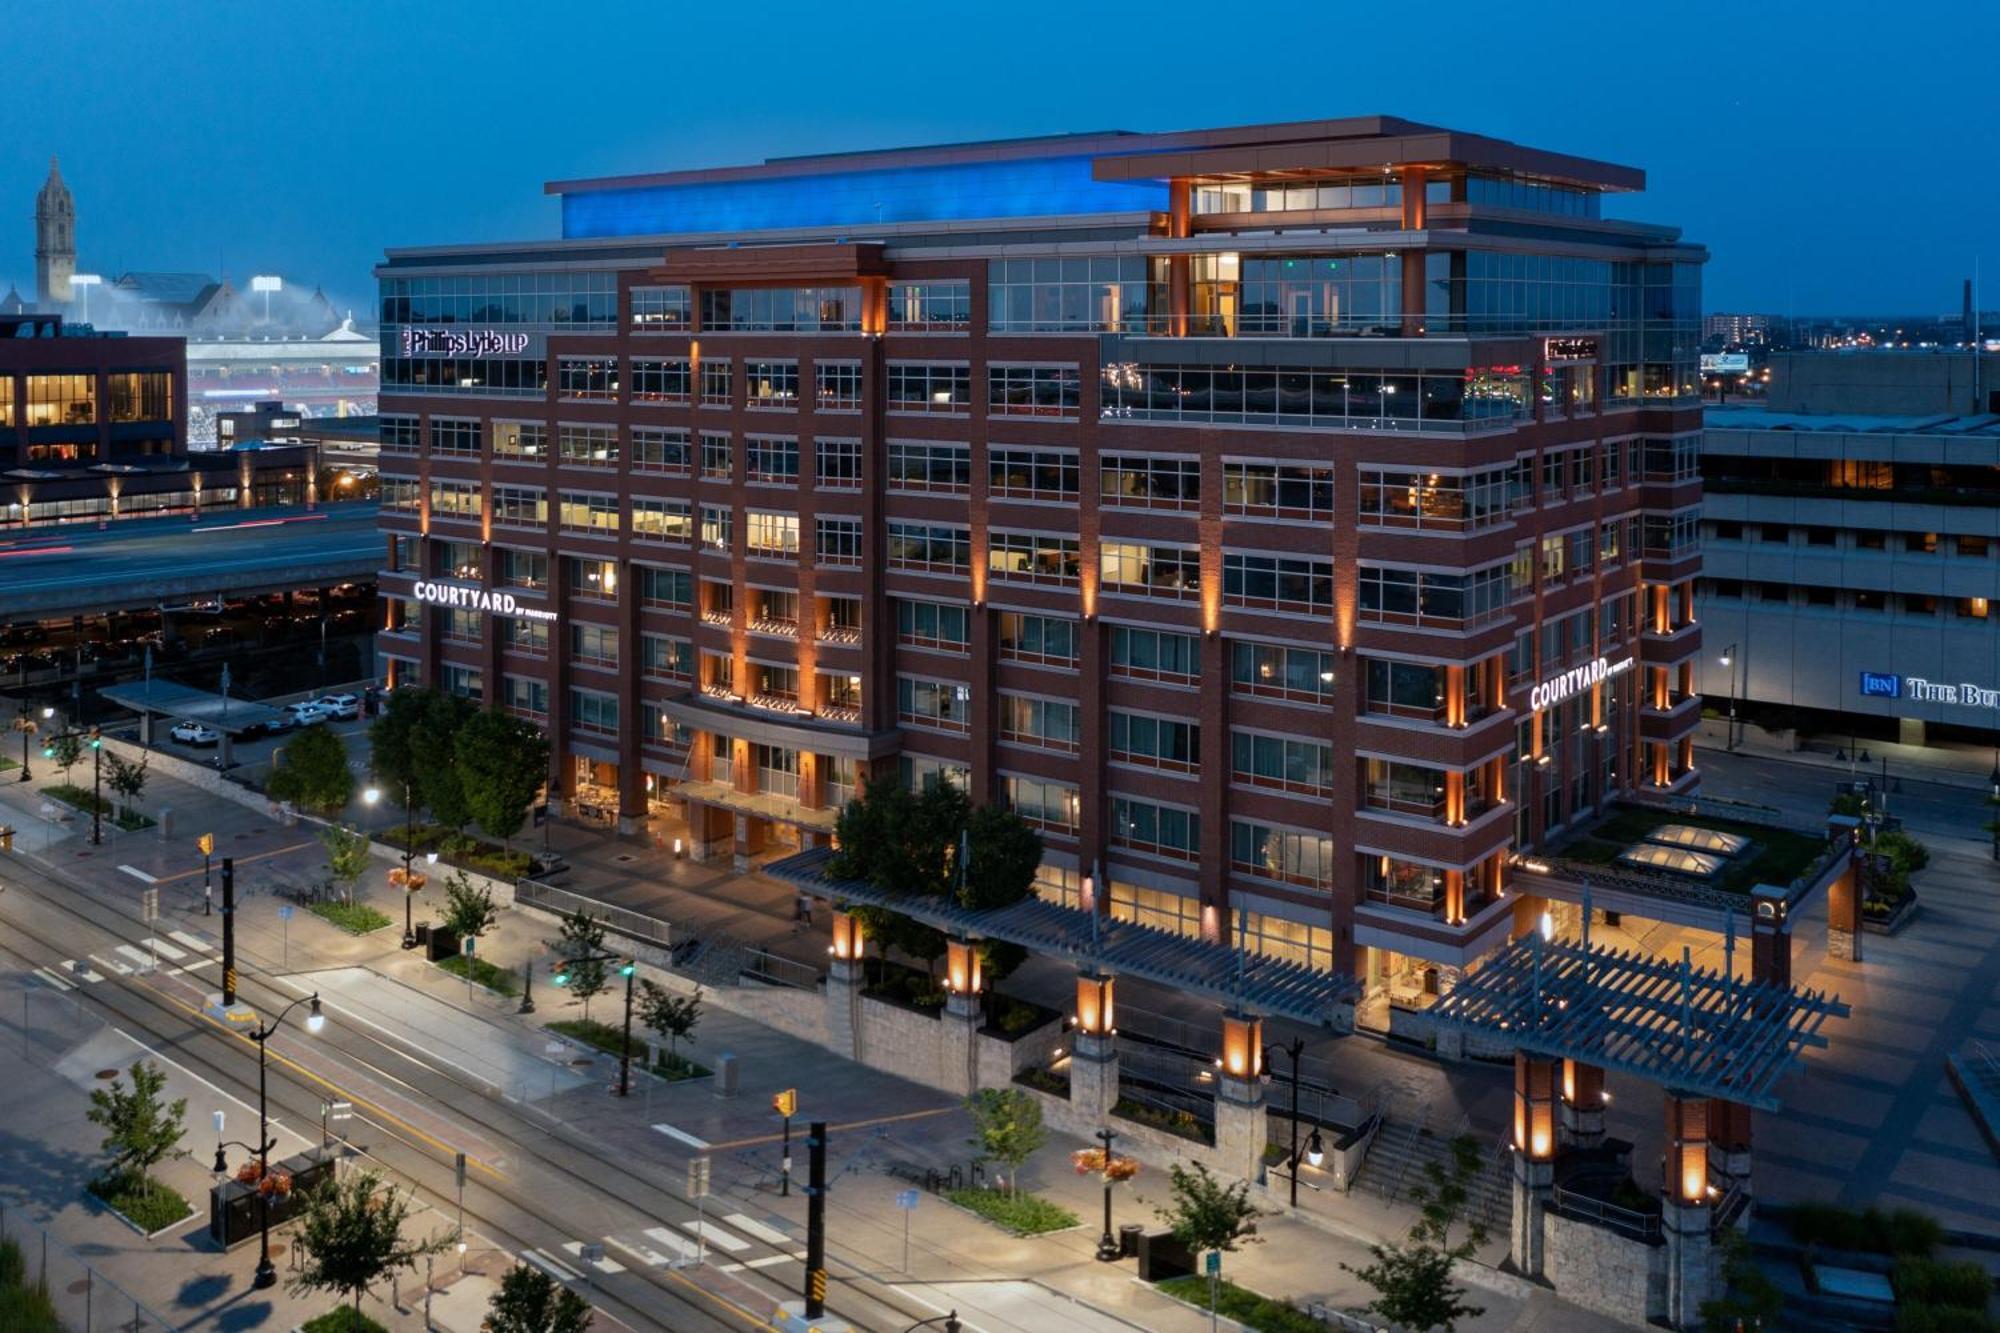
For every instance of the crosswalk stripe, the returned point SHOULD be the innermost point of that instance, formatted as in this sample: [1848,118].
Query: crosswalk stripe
[112,964]
[167,951]
[574,1249]
[682,1247]
[716,1236]
[558,1271]
[139,874]
[645,1254]
[137,955]
[81,970]
[756,1230]
[196,943]
[46,975]
[681,1134]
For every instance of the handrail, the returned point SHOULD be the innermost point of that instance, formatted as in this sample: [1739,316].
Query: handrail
[1583,1207]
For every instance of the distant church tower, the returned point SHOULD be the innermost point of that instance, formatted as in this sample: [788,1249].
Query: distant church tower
[55,240]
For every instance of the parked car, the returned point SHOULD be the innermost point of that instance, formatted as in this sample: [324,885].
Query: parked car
[194,733]
[342,707]
[306,713]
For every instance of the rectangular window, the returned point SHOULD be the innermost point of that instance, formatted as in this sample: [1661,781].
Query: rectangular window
[771,384]
[61,400]
[1139,482]
[1162,830]
[1154,742]
[781,310]
[465,682]
[774,611]
[665,589]
[526,697]
[530,638]
[717,385]
[921,386]
[1277,583]
[1031,557]
[455,499]
[1052,807]
[1274,671]
[718,458]
[587,446]
[1039,640]
[945,468]
[1282,763]
[594,712]
[661,310]
[718,527]
[520,442]
[940,705]
[837,541]
[1032,474]
[660,382]
[593,645]
[1286,855]
[1047,294]
[941,306]
[1033,391]
[136,395]
[1278,490]
[461,626]
[400,434]
[1404,789]
[402,493]
[1392,596]
[1148,654]
[662,521]
[1041,724]
[455,436]
[1149,571]
[771,461]
[587,378]
[1433,501]
[771,536]
[774,684]
[1408,885]
[939,625]
[1407,689]
[660,449]
[589,514]
[837,465]
[520,506]
[838,385]
[522,569]
[596,580]
[934,548]
[665,658]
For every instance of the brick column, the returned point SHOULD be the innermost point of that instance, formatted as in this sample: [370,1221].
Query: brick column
[1534,1160]
[1770,936]
[1729,1144]
[1843,912]
[958,1061]
[1685,1213]
[1581,1113]
[1241,1125]
[1093,1064]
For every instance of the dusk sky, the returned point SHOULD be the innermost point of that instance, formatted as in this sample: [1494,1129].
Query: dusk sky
[1834,156]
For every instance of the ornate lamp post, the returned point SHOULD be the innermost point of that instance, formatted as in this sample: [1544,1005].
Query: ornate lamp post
[1113,1168]
[267,1272]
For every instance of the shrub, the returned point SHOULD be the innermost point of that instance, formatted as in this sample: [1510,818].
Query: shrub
[1022,1213]
[1936,1282]
[342,1320]
[354,918]
[145,1202]
[489,975]
[1244,1306]
[1017,1018]
[1905,1231]
[25,1306]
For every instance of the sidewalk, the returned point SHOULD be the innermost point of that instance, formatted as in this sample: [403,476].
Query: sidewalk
[1947,765]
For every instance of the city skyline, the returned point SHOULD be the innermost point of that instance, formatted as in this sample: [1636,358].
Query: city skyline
[380,145]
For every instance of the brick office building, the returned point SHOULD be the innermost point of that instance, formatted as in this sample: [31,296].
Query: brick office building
[1293,522]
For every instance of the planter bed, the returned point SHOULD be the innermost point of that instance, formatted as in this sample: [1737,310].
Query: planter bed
[1898,917]
[611,1041]
[1240,1305]
[494,978]
[1020,1214]
[79,799]
[354,918]
[164,1210]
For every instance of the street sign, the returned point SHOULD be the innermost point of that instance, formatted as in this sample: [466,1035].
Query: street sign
[284,911]
[907,1200]
[465,946]
[458,1170]
[207,844]
[697,1178]
[1214,1263]
[340,1110]
[786,1103]
[149,902]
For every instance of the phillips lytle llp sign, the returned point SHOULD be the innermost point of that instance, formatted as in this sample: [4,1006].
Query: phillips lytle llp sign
[462,342]
[477,599]
[1575,681]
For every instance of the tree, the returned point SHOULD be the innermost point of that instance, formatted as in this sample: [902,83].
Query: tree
[66,749]
[434,747]
[672,1016]
[126,779]
[140,1131]
[351,1236]
[502,762]
[390,754]
[1749,1299]
[312,772]
[347,857]
[1209,1215]
[1006,1128]
[1413,1281]
[1003,856]
[530,1301]
[468,909]
[580,947]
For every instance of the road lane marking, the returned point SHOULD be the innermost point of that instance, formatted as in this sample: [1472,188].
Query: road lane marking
[683,1248]
[139,956]
[193,942]
[685,1137]
[166,950]
[715,1235]
[756,1230]
[768,1261]
[645,1254]
[81,970]
[111,964]
[46,975]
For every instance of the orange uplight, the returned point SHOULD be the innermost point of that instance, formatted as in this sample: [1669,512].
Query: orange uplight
[1094,1005]
[1687,1147]
[1242,1046]
[1534,1107]
[962,967]
[848,940]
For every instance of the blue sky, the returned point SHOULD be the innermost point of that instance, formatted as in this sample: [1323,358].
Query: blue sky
[1834,156]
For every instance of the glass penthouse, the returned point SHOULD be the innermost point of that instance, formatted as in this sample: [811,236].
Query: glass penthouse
[1292,522]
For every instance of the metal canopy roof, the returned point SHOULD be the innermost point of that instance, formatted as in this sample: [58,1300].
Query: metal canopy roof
[1250,982]
[184,701]
[1695,1031]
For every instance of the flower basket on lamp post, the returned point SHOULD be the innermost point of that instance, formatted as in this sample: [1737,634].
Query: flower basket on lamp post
[1110,1167]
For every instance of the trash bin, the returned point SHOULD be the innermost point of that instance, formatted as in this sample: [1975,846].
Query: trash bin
[1128,1240]
[725,1075]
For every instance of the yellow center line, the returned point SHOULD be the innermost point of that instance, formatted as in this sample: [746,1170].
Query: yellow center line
[852,1124]
[241,860]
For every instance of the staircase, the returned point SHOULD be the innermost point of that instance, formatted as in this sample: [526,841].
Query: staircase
[1404,1146]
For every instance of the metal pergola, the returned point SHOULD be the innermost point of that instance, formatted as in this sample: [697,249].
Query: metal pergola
[1695,1031]
[1250,983]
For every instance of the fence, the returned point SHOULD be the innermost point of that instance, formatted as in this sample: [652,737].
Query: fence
[1626,1222]
[85,1300]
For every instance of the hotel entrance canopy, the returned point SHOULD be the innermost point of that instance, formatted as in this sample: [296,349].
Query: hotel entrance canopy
[1249,983]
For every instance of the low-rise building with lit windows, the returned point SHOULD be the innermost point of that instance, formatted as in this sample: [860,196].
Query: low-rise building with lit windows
[1292,522]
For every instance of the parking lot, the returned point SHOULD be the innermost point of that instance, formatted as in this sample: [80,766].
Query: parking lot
[252,758]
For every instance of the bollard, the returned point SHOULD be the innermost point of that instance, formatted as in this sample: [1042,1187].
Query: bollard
[167,825]
[725,1075]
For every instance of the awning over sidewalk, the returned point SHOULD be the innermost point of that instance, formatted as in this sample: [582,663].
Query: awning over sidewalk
[1250,983]
[165,698]
[761,804]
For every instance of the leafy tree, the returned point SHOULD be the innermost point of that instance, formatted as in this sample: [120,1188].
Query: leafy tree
[347,857]
[126,779]
[530,1301]
[66,748]
[312,772]
[351,1237]
[579,947]
[1207,1215]
[140,1131]
[672,1016]
[1006,1128]
[1004,854]
[434,746]
[1413,1281]
[468,909]
[392,755]
[502,762]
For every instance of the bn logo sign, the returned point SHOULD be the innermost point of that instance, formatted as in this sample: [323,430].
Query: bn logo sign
[1875,684]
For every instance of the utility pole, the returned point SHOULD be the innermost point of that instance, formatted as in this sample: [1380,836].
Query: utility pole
[816,1220]
[228,931]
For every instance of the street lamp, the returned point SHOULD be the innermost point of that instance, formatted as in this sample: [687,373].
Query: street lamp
[96,787]
[1107,1244]
[27,726]
[1729,660]
[627,968]
[410,882]
[1315,1150]
[267,1273]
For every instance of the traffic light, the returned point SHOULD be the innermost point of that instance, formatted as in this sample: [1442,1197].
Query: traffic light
[786,1103]
[49,751]
[561,978]
[96,739]
[628,969]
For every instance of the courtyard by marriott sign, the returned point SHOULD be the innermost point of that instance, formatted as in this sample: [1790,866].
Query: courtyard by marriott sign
[1575,681]
[462,342]
[477,599]
[1887,685]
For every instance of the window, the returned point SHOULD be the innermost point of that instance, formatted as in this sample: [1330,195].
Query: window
[461,626]
[662,449]
[670,589]
[399,433]
[782,309]
[718,459]
[592,711]
[465,682]
[662,521]
[1051,807]
[1919,543]
[455,499]
[595,579]
[1973,608]
[1777,534]
[61,400]
[659,382]
[1152,571]
[1433,501]
[136,395]
[941,705]
[521,569]
[530,638]
[520,441]
[1919,604]
[837,540]
[1973,547]
[526,697]
[1409,885]
[593,645]
[717,384]
[660,309]
[1408,689]
[772,536]
[1273,671]
[1278,490]
[401,493]
[1405,789]
[1033,391]
[1071,294]
[770,460]
[1032,557]
[1281,762]
[1277,583]
[1818,536]
[919,386]
[520,506]
[1042,724]
[942,306]
[1146,654]
[1282,854]
[843,620]
[838,385]
[592,515]
[1162,830]
[933,548]
[939,625]
[1032,474]
[1444,401]
[664,658]
[1155,742]
[771,384]
[915,466]
[587,378]
[1149,483]
[774,611]
[1392,596]
[455,436]
[718,527]
[773,683]
[1038,640]
[1671,460]
[837,464]
[587,446]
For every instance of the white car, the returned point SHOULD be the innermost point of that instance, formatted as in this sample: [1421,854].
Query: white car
[306,713]
[341,707]
[194,733]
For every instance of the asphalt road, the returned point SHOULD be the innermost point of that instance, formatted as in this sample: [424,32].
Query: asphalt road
[1802,790]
